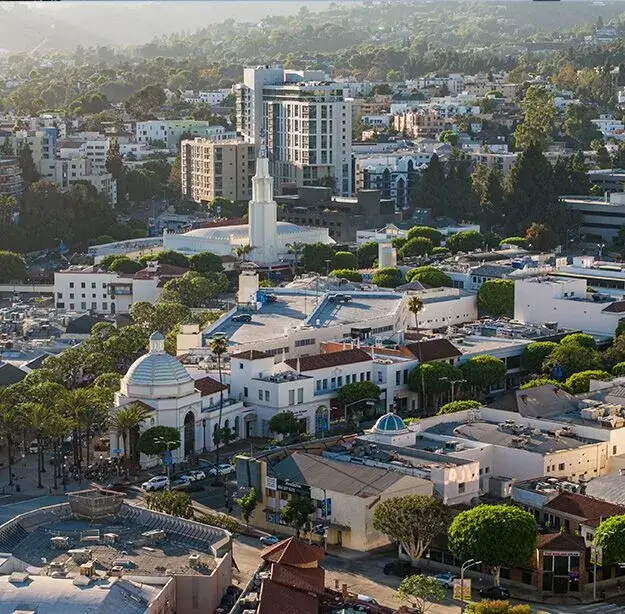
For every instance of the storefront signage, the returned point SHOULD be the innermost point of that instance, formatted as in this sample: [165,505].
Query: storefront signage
[271,483]
[293,487]
[555,553]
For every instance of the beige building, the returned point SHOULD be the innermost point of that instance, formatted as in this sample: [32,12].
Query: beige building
[217,168]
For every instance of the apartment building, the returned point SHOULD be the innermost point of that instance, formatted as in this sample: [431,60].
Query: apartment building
[305,121]
[170,131]
[217,168]
[11,180]
[421,123]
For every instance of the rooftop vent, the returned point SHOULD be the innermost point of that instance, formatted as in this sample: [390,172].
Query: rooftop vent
[18,577]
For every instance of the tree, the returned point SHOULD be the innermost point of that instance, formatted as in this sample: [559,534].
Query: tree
[12,421]
[358,391]
[144,102]
[247,505]
[489,606]
[12,267]
[456,406]
[388,277]
[412,521]
[425,231]
[219,346]
[482,372]
[296,513]
[108,380]
[582,339]
[540,237]
[543,381]
[419,246]
[465,241]
[366,254]
[223,436]
[572,358]
[578,126]
[158,439]
[193,289]
[421,592]
[206,262]
[125,265]
[618,369]
[167,257]
[579,383]
[27,165]
[344,260]
[539,115]
[126,422]
[534,355]
[37,416]
[603,157]
[162,316]
[616,352]
[496,297]
[429,276]
[314,257]
[348,274]
[610,537]
[498,535]
[431,190]
[89,409]
[433,379]
[285,423]
[115,166]
[170,502]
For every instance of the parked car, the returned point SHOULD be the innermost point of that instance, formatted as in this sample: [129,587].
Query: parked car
[242,317]
[495,592]
[179,484]
[446,579]
[158,482]
[33,448]
[400,568]
[339,298]
[194,487]
[367,599]
[269,540]
[193,475]
[224,469]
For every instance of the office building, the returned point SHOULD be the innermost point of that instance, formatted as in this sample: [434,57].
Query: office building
[167,133]
[11,180]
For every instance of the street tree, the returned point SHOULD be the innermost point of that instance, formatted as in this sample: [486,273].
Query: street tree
[315,257]
[429,276]
[535,354]
[296,513]
[167,256]
[496,297]
[285,423]
[194,290]
[412,521]
[219,346]
[610,537]
[456,406]
[126,422]
[223,436]
[498,535]
[388,277]
[482,372]
[170,502]
[579,383]
[432,379]
[158,439]
[351,394]
[421,592]
[489,606]
[247,504]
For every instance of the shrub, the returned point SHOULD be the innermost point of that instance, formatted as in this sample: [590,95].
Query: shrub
[388,277]
[544,381]
[439,251]
[580,382]
[223,521]
[419,246]
[425,231]
[348,274]
[430,276]
[455,406]
[619,369]
[517,241]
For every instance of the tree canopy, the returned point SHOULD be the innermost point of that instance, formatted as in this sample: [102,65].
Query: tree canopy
[429,276]
[157,439]
[482,372]
[496,297]
[456,406]
[285,423]
[388,277]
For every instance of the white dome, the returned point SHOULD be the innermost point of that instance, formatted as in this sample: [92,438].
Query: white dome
[239,231]
[157,374]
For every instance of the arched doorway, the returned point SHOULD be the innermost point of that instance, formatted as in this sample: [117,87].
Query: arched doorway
[189,433]
[237,427]
[250,425]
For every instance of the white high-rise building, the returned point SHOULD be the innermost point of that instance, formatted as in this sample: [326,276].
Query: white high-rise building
[307,123]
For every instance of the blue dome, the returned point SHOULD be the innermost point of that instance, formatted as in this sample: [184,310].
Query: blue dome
[389,422]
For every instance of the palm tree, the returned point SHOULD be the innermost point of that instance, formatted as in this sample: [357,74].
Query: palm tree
[126,421]
[37,417]
[219,347]
[11,423]
[242,251]
[415,306]
[295,249]
[57,429]
[89,408]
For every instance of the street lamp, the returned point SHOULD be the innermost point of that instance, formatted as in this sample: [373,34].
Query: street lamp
[167,443]
[204,435]
[466,565]
[600,246]
[453,383]
[65,474]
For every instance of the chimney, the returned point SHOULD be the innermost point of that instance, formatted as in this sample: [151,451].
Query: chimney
[344,592]
[297,366]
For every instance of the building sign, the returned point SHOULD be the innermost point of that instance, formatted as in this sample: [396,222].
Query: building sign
[274,518]
[293,487]
[596,555]
[326,508]
[462,589]
[556,553]
[271,483]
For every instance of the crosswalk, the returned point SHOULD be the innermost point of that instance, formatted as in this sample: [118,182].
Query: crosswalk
[591,608]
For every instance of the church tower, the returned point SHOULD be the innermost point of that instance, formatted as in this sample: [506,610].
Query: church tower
[263,214]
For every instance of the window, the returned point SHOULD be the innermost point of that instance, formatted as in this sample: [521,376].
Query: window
[94,305]
[613,447]
[300,395]
[71,295]
[339,381]
[561,467]
[380,377]
[333,383]
[397,378]
[71,306]
[362,377]
[318,385]
[461,487]
[60,305]
[267,396]
[260,395]
[348,379]
[105,306]
[71,284]
[93,284]
[245,391]
[83,284]
[368,376]
[325,384]
[83,305]
[405,376]
[240,365]
[291,397]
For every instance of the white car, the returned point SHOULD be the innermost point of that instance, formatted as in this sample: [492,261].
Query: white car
[159,482]
[224,469]
[193,476]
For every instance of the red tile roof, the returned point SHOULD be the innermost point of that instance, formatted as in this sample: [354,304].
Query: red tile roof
[583,506]
[617,307]
[309,580]
[208,385]
[293,551]
[333,359]
[561,541]
[276,598]
[251,355]
[434,349]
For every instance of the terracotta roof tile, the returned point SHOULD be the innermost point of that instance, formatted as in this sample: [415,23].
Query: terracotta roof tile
[583,506]
[434,349]
[208,385]
[292,551]
[617,307]
[251,355]
[561,541]
[310,580]
[276,598]
[333,359]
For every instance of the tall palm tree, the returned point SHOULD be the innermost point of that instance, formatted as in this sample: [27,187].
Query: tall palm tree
[415,306]
[11,423]
[219,347]
[242,251]
[37,417]
[127,421]
[295,249]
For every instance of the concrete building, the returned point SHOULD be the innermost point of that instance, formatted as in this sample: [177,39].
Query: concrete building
[174,399]
[502,161]
[306,123]
[568,303]
[11,180]
[421,123]
[216,168]
[169,131]
[92,289]
[342,216]
[73,557]
[602,217]
[268,237]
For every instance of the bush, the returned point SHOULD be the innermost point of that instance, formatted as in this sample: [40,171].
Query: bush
[425,231]
[518,241]
[223,521]
[619,369]
[535,354]
[430,276]
[579,383]
[344,260]
[455,406]
[419,246]
[496,297]
[348,274]
[388,277]
[544,381]
[439,251]
[582,339]
[465,241]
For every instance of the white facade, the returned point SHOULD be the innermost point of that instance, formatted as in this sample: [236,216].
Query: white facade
[565,301]
[170,131]
[609,126]
[446,307]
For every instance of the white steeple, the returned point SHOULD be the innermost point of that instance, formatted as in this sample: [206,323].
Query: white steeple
[263,213]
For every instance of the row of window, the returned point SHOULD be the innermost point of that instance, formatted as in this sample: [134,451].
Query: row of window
[337,382]
[83,295]
[84,285]
[83,306]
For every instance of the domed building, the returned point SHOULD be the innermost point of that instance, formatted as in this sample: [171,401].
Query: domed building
[268,237]
[391,429]
[160,383]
